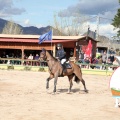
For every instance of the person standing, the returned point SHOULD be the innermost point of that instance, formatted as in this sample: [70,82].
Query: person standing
[104,58]
[81,57]
[30,58]
[36,58]
[111,57]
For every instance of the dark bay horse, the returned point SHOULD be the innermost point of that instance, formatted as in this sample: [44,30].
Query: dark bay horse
[55,70]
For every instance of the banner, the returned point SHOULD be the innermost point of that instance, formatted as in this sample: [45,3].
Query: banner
[45,37]
[88,52]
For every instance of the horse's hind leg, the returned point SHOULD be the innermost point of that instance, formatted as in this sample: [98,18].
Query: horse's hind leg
[70,77]
[79,76]
[83,82]
[48,79]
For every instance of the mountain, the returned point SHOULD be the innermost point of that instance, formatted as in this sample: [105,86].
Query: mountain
[35,31]
[31,30]
[2,24]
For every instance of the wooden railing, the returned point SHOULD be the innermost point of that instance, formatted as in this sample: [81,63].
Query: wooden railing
[43,66]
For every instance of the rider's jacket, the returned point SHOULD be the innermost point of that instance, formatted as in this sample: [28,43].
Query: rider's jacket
[61,54]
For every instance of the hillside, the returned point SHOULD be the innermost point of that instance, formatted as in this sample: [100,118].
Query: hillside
[32,30]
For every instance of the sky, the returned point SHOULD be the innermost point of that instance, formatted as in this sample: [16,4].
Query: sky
[40,13]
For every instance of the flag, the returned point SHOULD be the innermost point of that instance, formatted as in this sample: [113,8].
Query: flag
[88,52]
[45,37]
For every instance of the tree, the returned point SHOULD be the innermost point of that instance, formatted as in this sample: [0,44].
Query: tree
[11,28]
[116,21]
[70,25]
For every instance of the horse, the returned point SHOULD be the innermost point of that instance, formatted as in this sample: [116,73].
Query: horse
[56,70]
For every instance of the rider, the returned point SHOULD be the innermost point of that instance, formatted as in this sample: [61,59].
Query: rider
[61,55]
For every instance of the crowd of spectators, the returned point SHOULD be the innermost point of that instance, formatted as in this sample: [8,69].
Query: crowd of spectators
[98,62]
[12,58]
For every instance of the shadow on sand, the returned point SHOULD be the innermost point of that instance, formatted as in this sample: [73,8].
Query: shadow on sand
[72,91]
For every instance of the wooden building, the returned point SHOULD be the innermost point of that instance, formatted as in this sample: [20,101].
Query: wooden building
[22,43]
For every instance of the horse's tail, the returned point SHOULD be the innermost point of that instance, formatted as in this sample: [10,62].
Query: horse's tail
[76,79]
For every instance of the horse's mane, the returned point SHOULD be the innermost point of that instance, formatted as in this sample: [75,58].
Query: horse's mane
[52,55]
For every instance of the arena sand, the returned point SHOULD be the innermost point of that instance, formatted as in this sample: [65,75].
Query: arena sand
[23,96]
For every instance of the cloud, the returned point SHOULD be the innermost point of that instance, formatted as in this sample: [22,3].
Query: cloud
[7,9]
[91,7]
[105,9]
[107,29]
[27,22]
[102,29]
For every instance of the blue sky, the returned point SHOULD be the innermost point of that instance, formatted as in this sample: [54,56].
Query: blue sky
[40,12]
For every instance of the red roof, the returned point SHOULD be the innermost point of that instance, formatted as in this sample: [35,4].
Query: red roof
[32,40]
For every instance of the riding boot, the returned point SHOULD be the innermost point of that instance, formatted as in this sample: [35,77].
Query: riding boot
[64,68]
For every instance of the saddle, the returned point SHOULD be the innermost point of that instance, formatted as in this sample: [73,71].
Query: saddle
[65,66]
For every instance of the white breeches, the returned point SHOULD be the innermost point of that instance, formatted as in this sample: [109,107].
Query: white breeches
[62,61]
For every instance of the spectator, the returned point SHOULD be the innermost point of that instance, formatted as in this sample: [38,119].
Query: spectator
[109,62]
[111,57]
[87,61]
[99,62]
[104,59]
[30,58]
[115,63]
[25,57]
[81,57]
[4,56]
[94,61]
[36,58]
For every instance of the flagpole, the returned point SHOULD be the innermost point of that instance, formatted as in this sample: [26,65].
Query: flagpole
[51,42]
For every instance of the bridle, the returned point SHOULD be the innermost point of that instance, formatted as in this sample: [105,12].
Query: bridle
[44,57]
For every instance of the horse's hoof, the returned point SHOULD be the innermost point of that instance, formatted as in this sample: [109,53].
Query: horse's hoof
[116,106]
[82,92]
[86,91]
[69,92]
[53,93]
[57,92]
[47,90]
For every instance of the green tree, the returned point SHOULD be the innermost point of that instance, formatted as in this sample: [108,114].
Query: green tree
[116,21]
[12,28]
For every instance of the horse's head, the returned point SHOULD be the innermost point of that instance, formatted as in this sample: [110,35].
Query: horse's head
[43,56]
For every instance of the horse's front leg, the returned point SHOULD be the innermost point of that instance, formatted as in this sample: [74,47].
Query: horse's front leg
[47,81]
[55,83]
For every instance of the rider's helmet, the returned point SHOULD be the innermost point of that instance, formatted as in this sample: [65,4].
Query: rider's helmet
[59,45]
